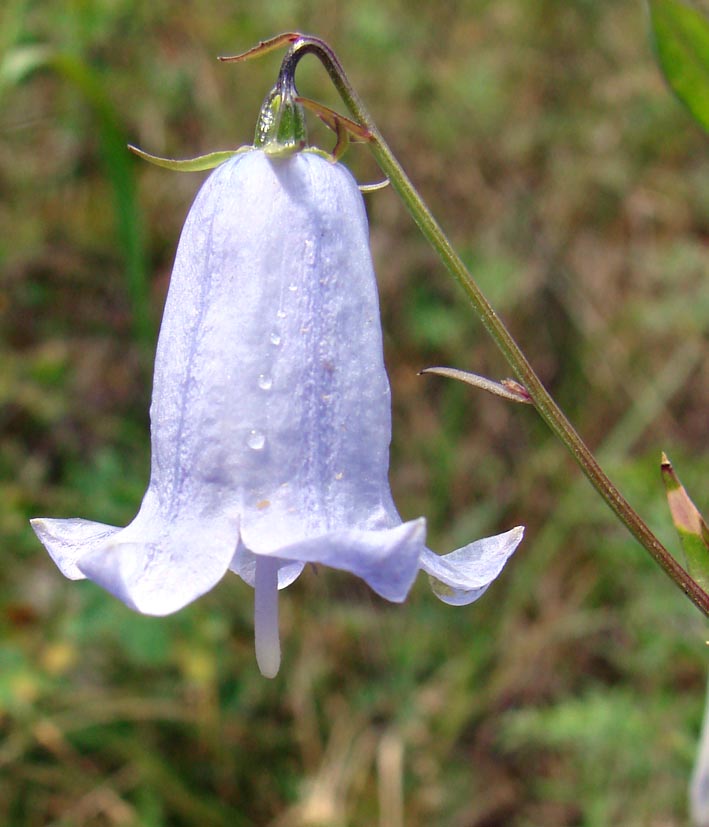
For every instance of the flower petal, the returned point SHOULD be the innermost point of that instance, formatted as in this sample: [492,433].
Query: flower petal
[463,575]
[68,540]
[161,575]
[270,390]
[155,566]
[387,560]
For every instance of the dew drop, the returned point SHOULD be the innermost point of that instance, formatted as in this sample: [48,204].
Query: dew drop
[275,339]
[256,440]
[265,382]
[281,314]
[293,287]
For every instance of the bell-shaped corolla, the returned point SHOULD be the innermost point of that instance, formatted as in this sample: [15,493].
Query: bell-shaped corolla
[271,413]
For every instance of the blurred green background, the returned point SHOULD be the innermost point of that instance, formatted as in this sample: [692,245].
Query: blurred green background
[544,139]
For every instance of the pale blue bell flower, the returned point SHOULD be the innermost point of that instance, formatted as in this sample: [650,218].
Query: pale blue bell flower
[271,413]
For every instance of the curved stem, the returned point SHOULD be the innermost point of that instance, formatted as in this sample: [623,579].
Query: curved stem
[547,407]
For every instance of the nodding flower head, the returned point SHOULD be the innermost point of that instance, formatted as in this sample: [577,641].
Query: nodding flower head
[271,413]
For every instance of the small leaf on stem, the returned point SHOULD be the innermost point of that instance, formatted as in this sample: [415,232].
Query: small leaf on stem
[507,388]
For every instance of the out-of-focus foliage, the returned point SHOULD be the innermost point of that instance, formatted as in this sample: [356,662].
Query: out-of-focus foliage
[681,38]
[544,138]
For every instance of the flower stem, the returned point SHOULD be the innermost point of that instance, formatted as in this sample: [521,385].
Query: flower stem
[268,645]
[544,403]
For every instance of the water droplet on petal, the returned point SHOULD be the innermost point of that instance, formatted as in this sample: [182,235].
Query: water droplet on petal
[256,440]
[292,287]
[275,339]
[265,382]
[281,314]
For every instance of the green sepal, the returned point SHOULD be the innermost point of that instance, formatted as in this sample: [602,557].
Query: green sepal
[281,129]
[263,48]
[344,128]
[691,526]
[198,164]
[680,36]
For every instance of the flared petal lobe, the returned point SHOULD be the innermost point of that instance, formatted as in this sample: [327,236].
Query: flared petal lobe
[153,565]
[464,575]
[388,560]
[67,541]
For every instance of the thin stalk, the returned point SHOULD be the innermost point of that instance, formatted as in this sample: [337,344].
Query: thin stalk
[544,403]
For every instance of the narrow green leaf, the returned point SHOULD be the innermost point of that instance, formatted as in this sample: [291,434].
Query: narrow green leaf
[691,526]
[680,36]
[198,164]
